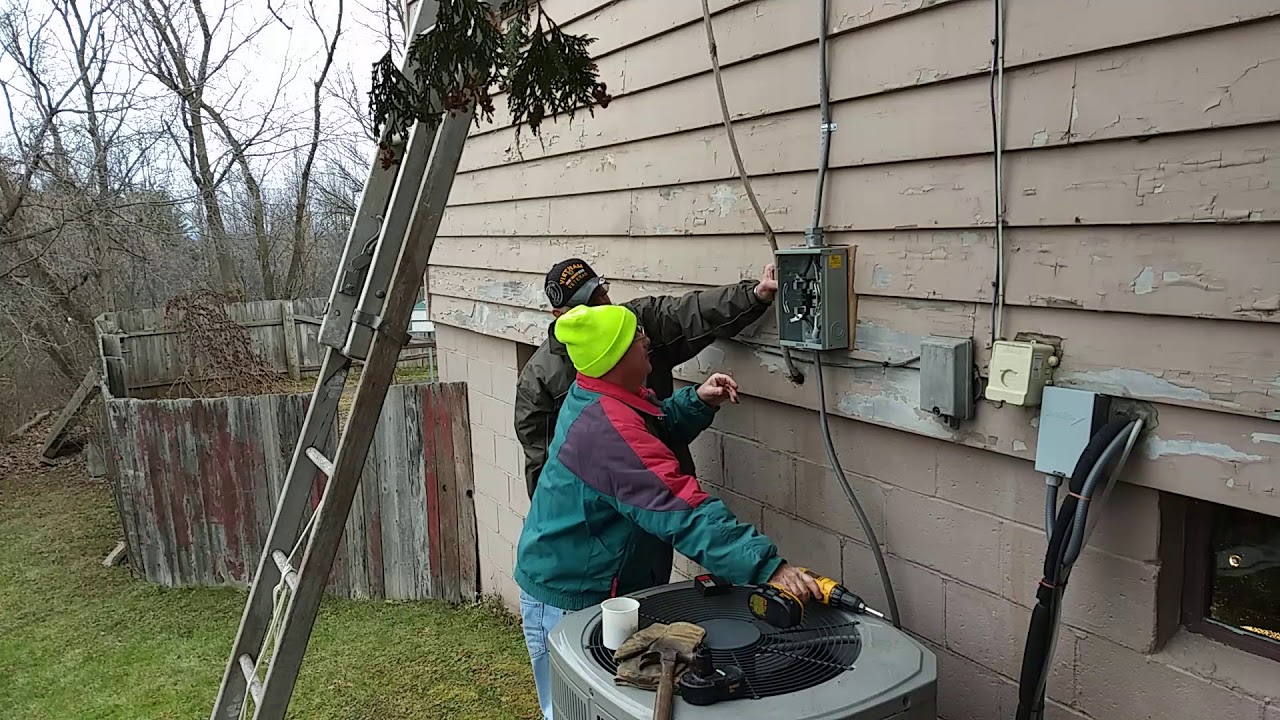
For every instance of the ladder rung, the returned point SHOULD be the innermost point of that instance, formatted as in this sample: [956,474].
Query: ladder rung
[286,570]
[251,677]
[322,462]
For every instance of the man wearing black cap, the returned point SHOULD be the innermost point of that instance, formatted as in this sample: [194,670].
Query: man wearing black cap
[678,328]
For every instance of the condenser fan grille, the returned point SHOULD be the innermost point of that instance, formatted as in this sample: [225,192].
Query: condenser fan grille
[775,662]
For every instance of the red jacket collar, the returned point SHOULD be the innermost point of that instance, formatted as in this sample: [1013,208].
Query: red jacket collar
[641,399]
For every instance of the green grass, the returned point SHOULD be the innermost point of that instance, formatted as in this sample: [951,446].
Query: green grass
[78,640]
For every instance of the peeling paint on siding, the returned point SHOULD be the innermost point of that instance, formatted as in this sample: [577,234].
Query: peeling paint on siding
[725,197]
[1144,283]
[1265,438]
[881,277]
[1157,447]
[1129,383]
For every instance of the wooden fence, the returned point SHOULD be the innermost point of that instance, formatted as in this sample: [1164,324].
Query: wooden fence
[283,332]
[197,482]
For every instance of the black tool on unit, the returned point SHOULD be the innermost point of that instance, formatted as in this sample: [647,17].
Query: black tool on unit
[708,584]
[781,609]
[705,684]
[776,606]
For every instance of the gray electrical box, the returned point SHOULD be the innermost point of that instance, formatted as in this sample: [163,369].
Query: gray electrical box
[946,378]
[813,297]
[1068,418]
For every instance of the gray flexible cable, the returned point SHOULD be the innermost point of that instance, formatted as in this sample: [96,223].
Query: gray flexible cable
[853,499]
[824,104]
[1134,431]
[1050,503]
[1112,451]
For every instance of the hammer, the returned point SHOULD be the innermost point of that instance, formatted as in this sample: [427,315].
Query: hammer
[667,650]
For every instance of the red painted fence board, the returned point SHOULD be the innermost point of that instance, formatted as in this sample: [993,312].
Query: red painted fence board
[197,482]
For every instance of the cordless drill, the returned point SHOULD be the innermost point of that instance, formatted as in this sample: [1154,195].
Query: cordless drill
[780,608]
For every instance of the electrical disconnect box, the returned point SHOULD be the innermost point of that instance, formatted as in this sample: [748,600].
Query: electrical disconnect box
[1019,371]
[946,378]
[813,297]
[1068,418]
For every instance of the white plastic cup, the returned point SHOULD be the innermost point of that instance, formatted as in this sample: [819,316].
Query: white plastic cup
[621,618]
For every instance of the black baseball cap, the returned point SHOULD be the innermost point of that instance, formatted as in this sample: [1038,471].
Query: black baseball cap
[571,283]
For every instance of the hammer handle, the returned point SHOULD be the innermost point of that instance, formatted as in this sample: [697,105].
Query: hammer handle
[666,690]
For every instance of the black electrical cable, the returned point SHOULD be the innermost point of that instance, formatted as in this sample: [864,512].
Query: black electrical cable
[853,499]
[1041,633]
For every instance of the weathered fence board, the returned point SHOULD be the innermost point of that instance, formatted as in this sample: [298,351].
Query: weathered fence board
[283,332]
[198,481]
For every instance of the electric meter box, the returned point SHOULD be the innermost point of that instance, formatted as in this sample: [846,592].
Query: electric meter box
[813,297]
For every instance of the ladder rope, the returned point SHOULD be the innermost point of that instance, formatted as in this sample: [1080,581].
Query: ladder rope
[279,603]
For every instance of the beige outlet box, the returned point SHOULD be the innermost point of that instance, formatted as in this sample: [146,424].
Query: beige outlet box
[1019,371]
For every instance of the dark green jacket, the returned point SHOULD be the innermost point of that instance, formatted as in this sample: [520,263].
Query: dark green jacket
[678,328]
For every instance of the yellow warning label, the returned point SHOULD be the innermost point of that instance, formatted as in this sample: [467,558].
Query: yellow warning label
[835,261]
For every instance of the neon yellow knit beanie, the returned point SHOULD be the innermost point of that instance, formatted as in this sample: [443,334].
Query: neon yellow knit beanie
[596,336]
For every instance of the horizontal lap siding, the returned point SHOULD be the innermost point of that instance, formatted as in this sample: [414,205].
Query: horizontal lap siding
[1141,183]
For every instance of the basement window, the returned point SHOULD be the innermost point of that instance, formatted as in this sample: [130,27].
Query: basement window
[1232,591]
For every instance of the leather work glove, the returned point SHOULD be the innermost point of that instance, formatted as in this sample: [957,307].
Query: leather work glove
[637,670]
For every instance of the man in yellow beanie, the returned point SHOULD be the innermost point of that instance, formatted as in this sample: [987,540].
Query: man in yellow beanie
[612,492]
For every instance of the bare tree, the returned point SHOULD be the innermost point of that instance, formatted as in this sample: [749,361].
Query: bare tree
[177,49]
[300,250]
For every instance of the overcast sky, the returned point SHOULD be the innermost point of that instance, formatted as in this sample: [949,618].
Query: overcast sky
[281,62]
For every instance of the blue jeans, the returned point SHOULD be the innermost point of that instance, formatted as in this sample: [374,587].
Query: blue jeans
[539,619]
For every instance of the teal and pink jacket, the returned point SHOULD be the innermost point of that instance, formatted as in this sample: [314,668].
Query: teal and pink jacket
[612,492]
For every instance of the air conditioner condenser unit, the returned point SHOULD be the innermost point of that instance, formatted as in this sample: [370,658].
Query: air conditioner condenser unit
[834,666]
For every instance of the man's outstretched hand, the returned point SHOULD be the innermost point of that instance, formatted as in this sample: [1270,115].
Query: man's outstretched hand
[718,388]
[795,581]
[767,288]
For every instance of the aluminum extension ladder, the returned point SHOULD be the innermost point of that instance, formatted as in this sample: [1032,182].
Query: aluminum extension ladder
[382,267]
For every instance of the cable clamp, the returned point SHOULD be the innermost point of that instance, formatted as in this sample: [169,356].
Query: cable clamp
[828,127]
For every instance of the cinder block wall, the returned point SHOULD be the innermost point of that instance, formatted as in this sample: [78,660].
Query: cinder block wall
[962,530]
[489,367]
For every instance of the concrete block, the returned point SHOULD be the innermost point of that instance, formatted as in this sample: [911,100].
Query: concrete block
[920,594]
[519,500]
[1058,711]
[1010,487]
[1244,672]
[492,413]
[510,456]
[803,544]
[510,593]
[509,525]
[780,426]
[820,498]
[968,691]
[504,383]
[1115,682]
[951,539]
[486,512]
[482,445]
[1109,595]
[451,338]
[745,509]
[494,483]
[495,350]
[479,376]
[760,473]
[707,459]
[992,631]
[897,458]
